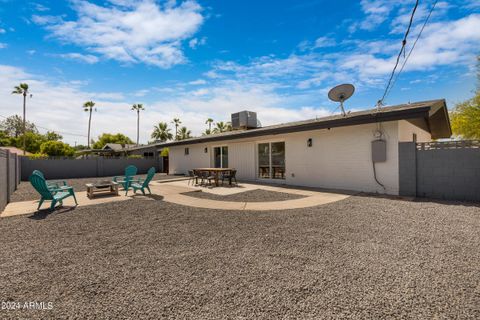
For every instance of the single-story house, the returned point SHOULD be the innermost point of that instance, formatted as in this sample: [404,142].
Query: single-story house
[108,150]
[358,151]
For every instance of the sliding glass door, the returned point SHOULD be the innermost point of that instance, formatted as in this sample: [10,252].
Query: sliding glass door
[271,160]
[220,157]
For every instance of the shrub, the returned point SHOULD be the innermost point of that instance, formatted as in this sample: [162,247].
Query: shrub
[37,156]
[56,149]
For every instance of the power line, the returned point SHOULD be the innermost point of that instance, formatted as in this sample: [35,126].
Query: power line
[402,49]
[413,47]
[57,131]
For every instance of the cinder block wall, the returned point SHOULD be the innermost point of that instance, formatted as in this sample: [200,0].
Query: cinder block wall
[84,168]
[441,173]
[9,176]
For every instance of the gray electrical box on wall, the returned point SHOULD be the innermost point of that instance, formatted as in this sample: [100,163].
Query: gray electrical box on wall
[379,151]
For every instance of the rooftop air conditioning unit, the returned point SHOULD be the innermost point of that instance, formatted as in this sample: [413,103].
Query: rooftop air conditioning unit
[244,120]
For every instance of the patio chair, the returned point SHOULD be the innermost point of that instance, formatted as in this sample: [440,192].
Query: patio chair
[206,178]
[193,177]
[143,184]
[231,175]
[128,178]
[51,184]
[49,194]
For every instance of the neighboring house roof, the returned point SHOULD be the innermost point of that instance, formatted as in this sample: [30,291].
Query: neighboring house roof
[113,146]
[431,116]
[16,150]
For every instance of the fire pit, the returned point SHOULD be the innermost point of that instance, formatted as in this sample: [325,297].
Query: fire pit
[102,188]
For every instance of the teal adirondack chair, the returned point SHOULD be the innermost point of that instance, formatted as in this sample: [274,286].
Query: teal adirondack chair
[49,194]
[128,178]
[51,184]
[143,184]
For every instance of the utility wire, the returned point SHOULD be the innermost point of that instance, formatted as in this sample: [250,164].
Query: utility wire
[413,47]
[402,49]
[61,132]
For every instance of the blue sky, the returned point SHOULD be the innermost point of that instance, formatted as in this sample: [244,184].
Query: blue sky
[200,59]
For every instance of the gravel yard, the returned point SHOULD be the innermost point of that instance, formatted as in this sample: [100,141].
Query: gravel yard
[26,192]
[258,195]
[360,258]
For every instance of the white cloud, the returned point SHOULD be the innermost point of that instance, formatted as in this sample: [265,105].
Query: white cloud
[3,45]
[195,42]
[197,82]
[130,32]
[324,42]
[376,11]
[40,7]
[442,43]
[87,58]
[2,30]
[321,42]
[141,93]
[113,109]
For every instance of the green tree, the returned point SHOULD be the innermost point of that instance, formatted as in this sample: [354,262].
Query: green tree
[184,133]
[53,136]
[111,138]
[209,122]
[222,127]
[465,117]
[165,152]
[177,123]
[88,107]
[138,107]
[22,89]
[56,149]
[13,126]
[161,132]
[32,141]
[80,147]
[5,139]
[206,132]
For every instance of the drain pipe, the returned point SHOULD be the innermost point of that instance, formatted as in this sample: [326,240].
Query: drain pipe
[379,152]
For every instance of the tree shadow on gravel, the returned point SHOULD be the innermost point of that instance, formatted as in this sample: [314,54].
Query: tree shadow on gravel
[44,213]
[139,196]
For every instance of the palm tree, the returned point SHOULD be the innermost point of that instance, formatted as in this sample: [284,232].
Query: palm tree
[23,90]
[206,132]
[177,123]
[138,107]
[88,106]
[184,134]
[222,127]
[162,132]
[209,122]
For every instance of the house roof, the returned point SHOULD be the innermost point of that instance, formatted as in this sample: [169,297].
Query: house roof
[432,116]
[16,150]
[117,146]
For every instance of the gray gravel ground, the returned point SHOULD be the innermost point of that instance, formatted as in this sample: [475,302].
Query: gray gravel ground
[360,258]
[26,192]
[258,195]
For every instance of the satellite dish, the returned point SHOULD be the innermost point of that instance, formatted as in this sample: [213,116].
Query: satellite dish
[341,93]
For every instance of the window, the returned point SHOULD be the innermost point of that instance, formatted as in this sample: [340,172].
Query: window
[414,137]
[187,151]
[148,154]
[220,157]
[271,160]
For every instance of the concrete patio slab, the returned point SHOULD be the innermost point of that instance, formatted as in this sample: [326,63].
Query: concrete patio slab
[28,207]
[173,192]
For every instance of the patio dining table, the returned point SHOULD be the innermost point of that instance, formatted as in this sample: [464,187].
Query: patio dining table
[215,172]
